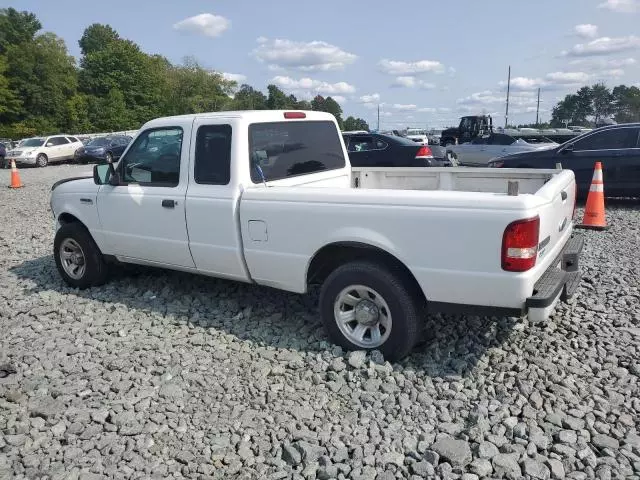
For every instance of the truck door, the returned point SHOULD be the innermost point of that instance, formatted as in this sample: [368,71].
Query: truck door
[213,199]
[143,218]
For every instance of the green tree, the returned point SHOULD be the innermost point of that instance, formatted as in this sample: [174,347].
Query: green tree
[193,89]
[247,98]
[110,112]
[626,101]
[121,65]
[17,27]
[329,105]
[352,123]
[43,75]
[276,99]
[96,37]
[10,104]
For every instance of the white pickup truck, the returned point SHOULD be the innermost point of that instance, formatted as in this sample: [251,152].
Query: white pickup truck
[269,197]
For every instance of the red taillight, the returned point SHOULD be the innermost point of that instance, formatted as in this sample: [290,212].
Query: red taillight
[295,115]
[520,245]
[424,152]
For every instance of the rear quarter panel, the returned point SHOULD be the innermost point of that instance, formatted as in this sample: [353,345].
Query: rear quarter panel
[450,241]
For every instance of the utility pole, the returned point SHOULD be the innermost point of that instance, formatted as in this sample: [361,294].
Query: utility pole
[506,115]
[538,109]
[378,117]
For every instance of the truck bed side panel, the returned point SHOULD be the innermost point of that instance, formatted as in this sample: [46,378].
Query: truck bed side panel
[451,241]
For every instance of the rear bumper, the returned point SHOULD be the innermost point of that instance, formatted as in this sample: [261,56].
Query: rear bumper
[558,283]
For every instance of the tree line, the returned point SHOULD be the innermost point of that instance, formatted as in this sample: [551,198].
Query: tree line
[114,85]
[591,105]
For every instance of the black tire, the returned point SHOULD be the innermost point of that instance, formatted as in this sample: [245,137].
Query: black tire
[42,160]
[402,299]
[96,271]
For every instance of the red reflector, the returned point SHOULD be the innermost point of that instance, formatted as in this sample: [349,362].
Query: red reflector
[295,115]
[424,152]
[520,245]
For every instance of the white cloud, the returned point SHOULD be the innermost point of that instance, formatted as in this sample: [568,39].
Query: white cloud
[305,56]
[310,85]
[622,6]
[427,110]
[526,86]
[404,107]
[373,98]
[604,46]
[567,78]
[409,81]
[339,98]
[396,67]
[235,77]
[602,64]
[206,24]
[586,30]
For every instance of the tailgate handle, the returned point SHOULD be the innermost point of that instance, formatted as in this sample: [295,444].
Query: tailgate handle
[564,195]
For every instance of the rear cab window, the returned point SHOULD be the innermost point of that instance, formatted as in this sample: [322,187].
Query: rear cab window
[287,149]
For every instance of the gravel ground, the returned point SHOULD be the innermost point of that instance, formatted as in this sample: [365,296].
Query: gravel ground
[167,375]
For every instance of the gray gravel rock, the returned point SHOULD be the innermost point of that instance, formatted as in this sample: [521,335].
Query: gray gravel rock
[456,452]
[506,465]
[168,375]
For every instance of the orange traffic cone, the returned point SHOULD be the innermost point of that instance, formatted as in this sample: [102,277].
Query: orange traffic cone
[594,215]
[15,176]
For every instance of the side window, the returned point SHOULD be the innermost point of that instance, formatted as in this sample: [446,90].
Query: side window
[500,139]
[154,158]
[73,139]
[213,155]
[614,138]
[286,149]
[361,144]
[380,145]
[55,141]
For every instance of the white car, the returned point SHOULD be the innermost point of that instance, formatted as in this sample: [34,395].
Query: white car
[41,151]
[269,197]
[481,150]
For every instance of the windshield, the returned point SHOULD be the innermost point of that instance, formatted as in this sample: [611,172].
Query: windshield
[33,142]
[98,142]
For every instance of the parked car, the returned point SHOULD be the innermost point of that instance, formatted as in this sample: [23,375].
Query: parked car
[479,151]
[378,150]
[40,151]
[617,147]
[103,149]
[236,195]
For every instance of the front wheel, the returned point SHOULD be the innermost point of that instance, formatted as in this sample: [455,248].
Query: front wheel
[78,258]
[42,160]
[365,306]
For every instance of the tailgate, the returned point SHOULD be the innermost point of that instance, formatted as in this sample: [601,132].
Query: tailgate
[556,215]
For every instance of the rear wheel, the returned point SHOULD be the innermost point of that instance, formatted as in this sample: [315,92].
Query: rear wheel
[78,258]
[366,306]
[42,160]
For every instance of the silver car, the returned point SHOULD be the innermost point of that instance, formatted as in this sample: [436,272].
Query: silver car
[479,151]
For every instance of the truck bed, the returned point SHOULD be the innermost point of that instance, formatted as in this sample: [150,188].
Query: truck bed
[488,180]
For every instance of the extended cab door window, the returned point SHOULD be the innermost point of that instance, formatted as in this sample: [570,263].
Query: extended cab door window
[154,158]
[287,149]
[213,155]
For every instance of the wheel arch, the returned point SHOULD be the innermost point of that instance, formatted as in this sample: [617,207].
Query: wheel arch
[335,254]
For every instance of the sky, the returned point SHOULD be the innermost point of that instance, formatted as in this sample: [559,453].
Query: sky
[425,63]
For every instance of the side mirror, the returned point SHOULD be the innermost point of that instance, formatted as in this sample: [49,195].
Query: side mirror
[49,144]
[102,173]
